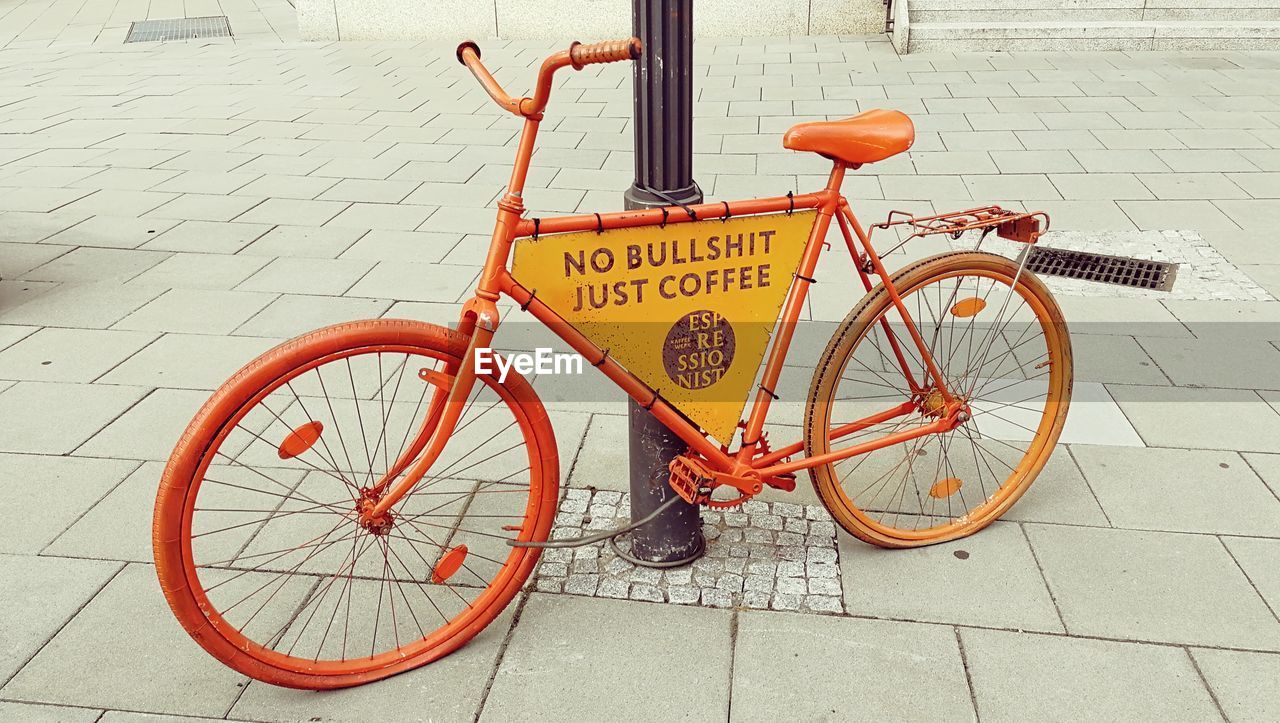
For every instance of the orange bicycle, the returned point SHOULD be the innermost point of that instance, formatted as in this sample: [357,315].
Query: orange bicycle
[365,498]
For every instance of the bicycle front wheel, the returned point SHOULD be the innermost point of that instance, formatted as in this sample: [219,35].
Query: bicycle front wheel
[998,338]
[259,544]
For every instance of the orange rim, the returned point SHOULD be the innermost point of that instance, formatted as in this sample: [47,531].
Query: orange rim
[1008,358]
[260,545]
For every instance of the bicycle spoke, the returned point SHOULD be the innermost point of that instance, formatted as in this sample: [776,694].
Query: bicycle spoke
[990,361]
[296,566]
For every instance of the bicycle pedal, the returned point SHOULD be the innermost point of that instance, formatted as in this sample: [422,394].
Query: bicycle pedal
[690,479]
[695,483]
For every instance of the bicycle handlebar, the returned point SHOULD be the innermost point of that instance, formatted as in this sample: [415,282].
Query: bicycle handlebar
[578,56]
[609,51]
[469,55]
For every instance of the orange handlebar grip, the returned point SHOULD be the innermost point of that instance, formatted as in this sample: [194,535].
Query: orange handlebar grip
[609,51]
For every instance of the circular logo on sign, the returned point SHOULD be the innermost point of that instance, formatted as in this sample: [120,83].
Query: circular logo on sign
[698,350]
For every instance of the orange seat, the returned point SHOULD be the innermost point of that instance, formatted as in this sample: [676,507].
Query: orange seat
[872,135]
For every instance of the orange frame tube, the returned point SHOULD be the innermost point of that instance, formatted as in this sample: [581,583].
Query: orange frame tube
[829,203]
[826,202]
[480,315]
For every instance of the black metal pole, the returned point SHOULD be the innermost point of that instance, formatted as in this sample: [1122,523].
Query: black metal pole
[664,104]
[664,163]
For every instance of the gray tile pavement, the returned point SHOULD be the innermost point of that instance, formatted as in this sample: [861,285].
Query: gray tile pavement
[149,429]
[88,264]
[188,361]
[827,668]
[903,585]
[1067,498]
[200,271]
[199,236]
[1190,417]
[547,656]
[44,593]
[98,660]
[1236,680]
[302,241]
[59,355]
[168,212]
[294,314]
[1179,490]
[95,305]
[1255,557]
[39,713]
[1153,586]
[1250,365]
[1267,466]
[453,689]
[55,418]
[321,277]
[1018,677]
[1114,358]
[70,487]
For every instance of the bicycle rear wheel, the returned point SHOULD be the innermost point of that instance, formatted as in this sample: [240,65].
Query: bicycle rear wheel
[258,544]
[1001,344]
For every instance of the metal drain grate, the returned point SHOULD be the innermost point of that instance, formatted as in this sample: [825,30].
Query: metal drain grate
[150,31]
[1117,270]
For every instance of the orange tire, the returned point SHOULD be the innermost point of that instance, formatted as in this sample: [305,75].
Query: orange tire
[1000,342]
[281,436]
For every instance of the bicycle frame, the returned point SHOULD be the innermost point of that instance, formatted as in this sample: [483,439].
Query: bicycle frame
[480,319]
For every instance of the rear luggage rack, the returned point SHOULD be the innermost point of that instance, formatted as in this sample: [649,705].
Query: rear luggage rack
[1024,227]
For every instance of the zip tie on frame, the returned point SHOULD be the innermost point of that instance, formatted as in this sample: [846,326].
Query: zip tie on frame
[664,218]
[603,358]
[536,223]
[806,278]
[656,395]
[599,224]
[532,295]
[769,391]
[791,200]
[726,215]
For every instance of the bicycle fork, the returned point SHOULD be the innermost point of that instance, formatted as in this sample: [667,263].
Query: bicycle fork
[478,323]
[447,405]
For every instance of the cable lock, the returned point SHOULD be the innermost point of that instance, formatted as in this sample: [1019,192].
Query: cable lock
[599,536]
[693,215]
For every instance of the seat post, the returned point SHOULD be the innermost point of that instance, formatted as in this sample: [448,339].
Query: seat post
[836,178]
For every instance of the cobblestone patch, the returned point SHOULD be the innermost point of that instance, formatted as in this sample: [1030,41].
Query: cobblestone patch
[762,555]
[1203,273]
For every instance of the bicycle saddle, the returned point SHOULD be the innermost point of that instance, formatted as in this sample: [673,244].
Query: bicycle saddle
[872,135]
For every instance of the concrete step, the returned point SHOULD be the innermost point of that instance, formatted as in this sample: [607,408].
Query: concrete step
[949,14]
[1093,35]
[953,14]
[1068,7]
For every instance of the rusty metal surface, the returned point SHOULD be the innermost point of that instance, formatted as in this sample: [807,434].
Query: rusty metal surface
[1025,227]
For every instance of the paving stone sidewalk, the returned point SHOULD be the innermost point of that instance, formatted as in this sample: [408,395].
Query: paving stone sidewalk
[168,211]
